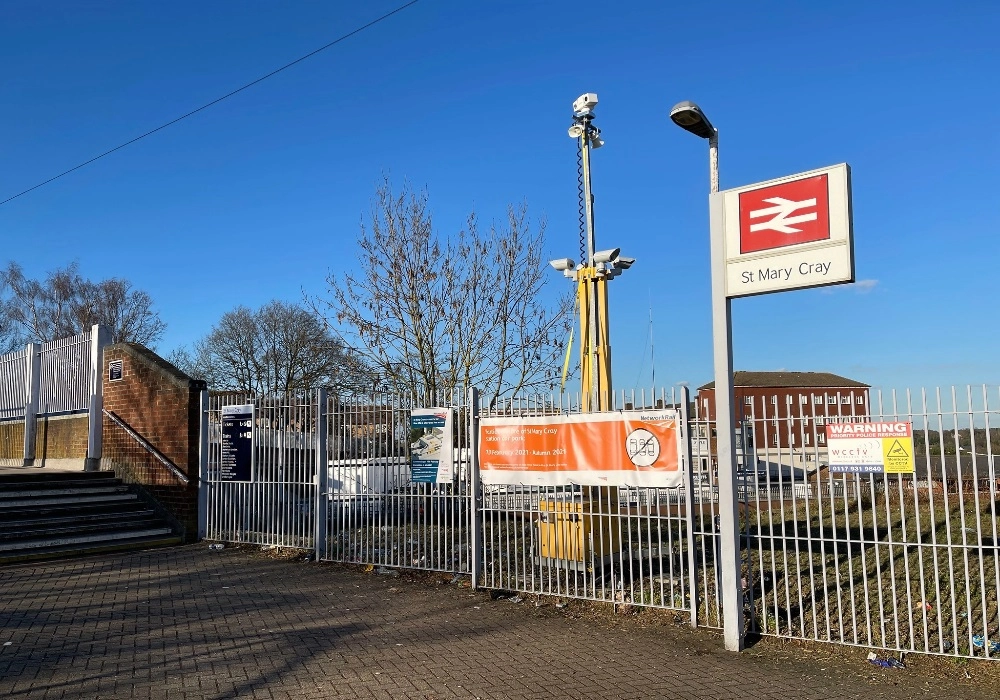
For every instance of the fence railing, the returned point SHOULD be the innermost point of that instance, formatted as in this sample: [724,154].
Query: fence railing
[906,562]
[13,384]
[66,375]
[51,379]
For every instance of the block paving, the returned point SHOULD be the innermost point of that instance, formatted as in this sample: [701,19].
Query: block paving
[190,622]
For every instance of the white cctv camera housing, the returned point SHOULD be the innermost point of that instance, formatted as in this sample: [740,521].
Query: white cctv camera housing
[606,256]
[585,102]
[563,264]
[624,263]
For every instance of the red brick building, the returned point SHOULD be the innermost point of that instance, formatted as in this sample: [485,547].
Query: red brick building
[788,411]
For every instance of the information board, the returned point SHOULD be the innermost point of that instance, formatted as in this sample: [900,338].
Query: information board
[237,443]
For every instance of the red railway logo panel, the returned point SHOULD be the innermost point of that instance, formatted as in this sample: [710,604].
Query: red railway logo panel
[786,214]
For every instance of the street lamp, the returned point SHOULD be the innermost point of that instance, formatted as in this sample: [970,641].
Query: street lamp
[689,117]
[596,267]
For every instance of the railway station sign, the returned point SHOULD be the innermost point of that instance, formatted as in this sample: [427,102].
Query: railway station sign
[794,232]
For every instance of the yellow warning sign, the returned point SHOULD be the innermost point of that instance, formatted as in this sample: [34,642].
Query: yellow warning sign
[897,455]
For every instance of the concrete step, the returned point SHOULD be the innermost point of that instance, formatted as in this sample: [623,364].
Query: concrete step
[58,514]
[44,479]
[71,491]
[119,496]
[55,552]
[85,540]
[73,513]
[48,529]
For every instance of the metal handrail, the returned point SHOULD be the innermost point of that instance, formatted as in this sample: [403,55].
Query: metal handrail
[146,445]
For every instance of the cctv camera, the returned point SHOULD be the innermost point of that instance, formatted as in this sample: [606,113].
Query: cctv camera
[563,264]
[606,256]
[585,102]
[625,263]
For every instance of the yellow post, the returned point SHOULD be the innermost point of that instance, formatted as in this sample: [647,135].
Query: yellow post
[595,348]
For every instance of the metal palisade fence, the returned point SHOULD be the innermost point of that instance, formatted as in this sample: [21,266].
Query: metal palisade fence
[59,377]
[903,562]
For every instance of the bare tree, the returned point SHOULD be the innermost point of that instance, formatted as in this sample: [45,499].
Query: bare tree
[278,348]
[65,304]
[434,312]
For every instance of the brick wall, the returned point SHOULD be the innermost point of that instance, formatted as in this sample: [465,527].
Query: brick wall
[12,440]
[61,437]
[160,403]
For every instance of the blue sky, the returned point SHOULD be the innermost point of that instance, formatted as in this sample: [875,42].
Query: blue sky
[261,196]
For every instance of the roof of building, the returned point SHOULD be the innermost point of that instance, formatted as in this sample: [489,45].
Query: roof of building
[795,380]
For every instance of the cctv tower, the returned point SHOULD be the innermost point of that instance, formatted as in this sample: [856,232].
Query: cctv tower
[595,270]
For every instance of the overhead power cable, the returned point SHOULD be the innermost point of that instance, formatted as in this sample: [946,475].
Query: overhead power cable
[215,101]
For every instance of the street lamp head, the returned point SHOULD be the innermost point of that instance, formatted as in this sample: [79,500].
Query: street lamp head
[688,116]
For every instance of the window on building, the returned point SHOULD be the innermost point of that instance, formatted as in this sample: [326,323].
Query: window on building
[820,420]
[803,399]
[809,457]
[805,439]
[821,438]
[845,399]
[817,400]
[792,438]
[861,399]
[748,400]
[774,400]
[704,402]
[831,399]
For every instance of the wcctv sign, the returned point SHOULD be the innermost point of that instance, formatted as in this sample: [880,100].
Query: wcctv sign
[790,233]
[884,447]
[626,448]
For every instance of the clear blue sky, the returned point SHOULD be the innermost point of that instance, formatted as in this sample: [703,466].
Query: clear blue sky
[260,196]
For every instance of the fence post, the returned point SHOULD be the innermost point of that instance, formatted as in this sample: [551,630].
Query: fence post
[689,506]
[31,389]
[475,491]
[98,339]
[203,484]
[322,477]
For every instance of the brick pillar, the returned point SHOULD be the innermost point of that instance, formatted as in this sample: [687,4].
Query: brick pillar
[162,405]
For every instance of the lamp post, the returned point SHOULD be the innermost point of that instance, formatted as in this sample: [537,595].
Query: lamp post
[689,117]
[595,269]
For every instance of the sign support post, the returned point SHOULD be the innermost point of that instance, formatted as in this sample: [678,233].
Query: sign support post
[722,342]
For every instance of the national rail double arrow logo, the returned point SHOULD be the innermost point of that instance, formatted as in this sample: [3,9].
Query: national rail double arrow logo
[787,214]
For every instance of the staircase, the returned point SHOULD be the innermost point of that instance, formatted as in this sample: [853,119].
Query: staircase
[45,515]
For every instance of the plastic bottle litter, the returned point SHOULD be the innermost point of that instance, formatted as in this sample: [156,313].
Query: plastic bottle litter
[217,545]
[386,572]
[884,663]
[979,642]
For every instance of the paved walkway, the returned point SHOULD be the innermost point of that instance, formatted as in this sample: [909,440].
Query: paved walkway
[194,623]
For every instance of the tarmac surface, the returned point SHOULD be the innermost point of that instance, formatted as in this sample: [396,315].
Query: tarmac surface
[190,622]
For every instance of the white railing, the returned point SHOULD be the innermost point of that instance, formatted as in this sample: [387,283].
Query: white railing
[903,562]
[64,380]
[50,379]
[13,379]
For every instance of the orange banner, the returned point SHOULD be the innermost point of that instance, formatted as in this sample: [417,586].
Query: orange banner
[627,448]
